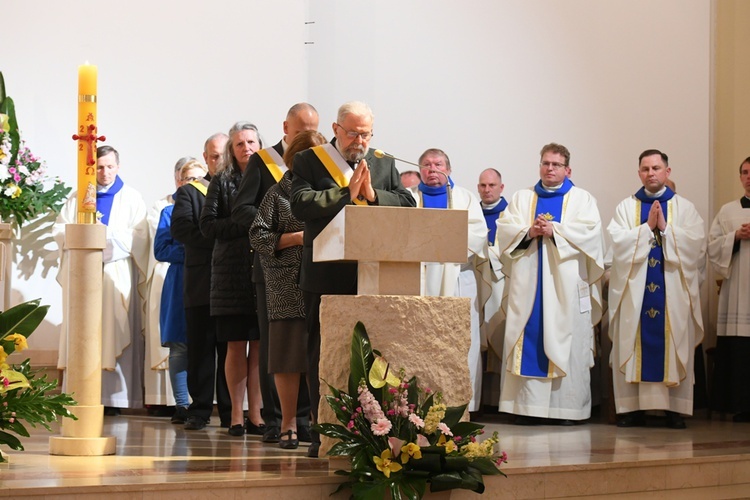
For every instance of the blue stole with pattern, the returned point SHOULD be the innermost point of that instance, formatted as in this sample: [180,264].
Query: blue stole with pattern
[653,334]
[435,196]
[490,218]
[534,362]
[104,200]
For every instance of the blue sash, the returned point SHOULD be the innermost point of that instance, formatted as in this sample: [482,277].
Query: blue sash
[435,196]
[104,200]
[534,361]
[490,218]
[653,335]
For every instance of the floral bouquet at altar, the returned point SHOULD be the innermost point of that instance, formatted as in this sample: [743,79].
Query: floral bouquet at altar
[25,189]
[23,395]
[400,436]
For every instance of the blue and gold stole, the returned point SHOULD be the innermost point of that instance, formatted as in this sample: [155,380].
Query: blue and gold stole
[490,218]
[654,331]
[104,200]
[534,361]
[274,163]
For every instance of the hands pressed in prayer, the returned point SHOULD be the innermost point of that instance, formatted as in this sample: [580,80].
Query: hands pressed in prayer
[541,227]
[656,217]
[360,185]
[743,233]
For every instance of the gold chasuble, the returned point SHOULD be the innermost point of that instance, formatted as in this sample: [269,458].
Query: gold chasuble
[339,169]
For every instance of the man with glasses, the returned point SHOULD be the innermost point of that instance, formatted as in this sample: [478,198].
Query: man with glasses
[326,179]
[655,322]
[550,245]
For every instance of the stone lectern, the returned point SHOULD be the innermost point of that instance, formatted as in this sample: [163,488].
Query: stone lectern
[427,336]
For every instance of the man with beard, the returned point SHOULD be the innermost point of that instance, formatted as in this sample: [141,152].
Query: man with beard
[326,179]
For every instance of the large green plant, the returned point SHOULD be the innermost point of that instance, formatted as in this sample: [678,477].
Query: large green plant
[24,395]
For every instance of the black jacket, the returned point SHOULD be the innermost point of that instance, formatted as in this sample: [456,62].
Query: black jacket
[232,291]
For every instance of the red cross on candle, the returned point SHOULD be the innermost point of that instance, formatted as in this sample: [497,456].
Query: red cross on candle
[90,139]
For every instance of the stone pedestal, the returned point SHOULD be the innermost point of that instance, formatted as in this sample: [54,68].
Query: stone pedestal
[427,336]
[83,437]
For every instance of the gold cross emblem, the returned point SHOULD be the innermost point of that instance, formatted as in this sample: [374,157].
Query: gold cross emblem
[652,313]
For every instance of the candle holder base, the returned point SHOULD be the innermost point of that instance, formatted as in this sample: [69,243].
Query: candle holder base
[82,447]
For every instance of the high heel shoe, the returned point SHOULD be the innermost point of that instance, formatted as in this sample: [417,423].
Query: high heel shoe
[236,430]
[291,443]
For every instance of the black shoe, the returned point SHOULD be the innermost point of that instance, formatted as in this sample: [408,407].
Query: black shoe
[111,411]
[303,433]
[566,422]
[312,451]
[524,420]
[675,420]
[632,419]
[180,415]
[236,430]
[742,417]
[195,423]
[271,435]
[255,430]
[290,443]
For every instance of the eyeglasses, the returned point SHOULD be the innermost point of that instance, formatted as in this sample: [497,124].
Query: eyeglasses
[554,164]
[351,134]
[191,179]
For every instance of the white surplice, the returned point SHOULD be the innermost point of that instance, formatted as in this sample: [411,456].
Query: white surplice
[734,299]
[572,268]
[125,259]
[684,246]
[156,382]
[460,280]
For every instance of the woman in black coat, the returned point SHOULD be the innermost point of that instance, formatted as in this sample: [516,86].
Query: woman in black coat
[232,293]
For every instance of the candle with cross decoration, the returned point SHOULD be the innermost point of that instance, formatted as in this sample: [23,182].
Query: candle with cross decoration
[87,139]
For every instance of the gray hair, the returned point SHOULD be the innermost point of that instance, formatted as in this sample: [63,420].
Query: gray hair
[354,108]
[227,161]
[299,108]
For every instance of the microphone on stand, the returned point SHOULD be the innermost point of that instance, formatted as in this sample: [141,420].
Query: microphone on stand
[379,153]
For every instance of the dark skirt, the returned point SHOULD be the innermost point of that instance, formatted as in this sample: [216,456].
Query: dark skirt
[237,327]
[287,346]
[730,390]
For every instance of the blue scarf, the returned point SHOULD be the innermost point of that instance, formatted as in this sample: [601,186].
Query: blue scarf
[435,197]
[653,329]
[490,218]
[104,200]
[534,361]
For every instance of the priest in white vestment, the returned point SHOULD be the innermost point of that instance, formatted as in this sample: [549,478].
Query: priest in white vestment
[438,191]
[550,244]
[729,252]
[125,259]
[655,322]
[492,318]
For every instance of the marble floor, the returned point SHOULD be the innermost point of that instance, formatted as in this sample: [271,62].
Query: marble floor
[155,459]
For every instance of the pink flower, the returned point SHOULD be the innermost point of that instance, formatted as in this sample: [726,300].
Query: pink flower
[395,444]
[414,419]
[444,429]
[422,441]
[350,425]
[381,427]
[457,439]
[393,390]
[12,170]
[391,412]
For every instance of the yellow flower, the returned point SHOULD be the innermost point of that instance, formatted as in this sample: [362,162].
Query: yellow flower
[385,464]
[19,340]
[450,446]
[4,123]
[3,357]
[410,450]
[435,414]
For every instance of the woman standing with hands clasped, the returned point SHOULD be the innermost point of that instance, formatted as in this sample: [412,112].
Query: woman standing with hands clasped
[277,236]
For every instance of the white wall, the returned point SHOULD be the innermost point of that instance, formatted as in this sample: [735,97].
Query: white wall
[488,81]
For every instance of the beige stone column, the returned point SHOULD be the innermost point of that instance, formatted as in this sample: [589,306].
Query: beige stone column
[83,437]
[6,261]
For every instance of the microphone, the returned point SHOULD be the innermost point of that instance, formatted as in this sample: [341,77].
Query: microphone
[379,153]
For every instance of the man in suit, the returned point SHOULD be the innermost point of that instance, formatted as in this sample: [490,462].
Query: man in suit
[264,169]
[203,367]
[326,179]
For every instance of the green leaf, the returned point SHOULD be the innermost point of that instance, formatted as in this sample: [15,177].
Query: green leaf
[370,490]
[445,481]
[465,429]
[23,319]
[345,449]
[453,415]
[334,431]
[361,357]
[2,88]
[11,441]
[485,466]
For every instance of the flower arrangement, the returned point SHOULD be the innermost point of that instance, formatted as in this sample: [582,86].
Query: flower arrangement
[23,395]
[24,191]
[400,436]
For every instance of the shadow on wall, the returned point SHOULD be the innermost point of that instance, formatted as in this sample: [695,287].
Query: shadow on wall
[35,249]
